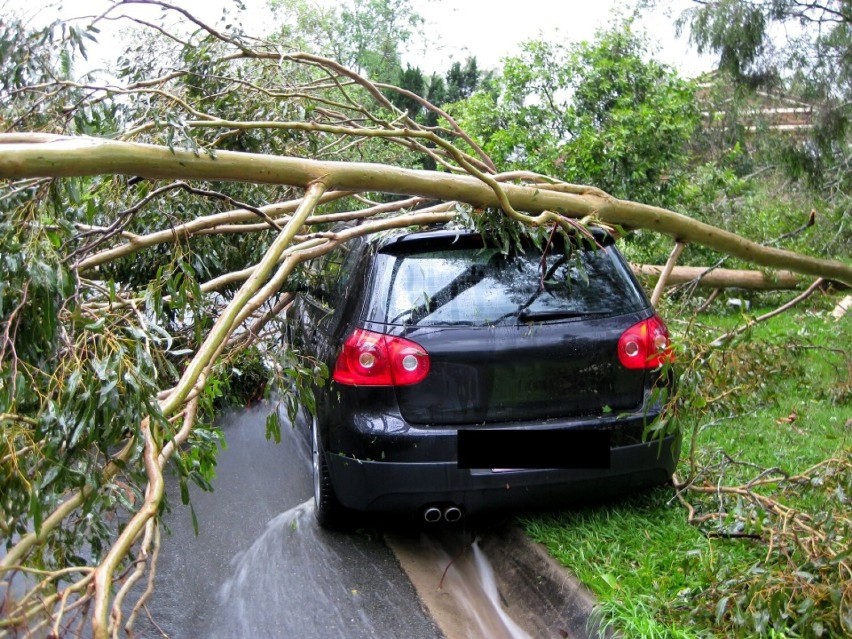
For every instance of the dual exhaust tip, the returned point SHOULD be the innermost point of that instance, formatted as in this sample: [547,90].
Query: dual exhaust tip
[450,514]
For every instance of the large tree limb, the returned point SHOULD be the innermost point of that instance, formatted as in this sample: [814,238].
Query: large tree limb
[69,157]
[225,324]
[722,277]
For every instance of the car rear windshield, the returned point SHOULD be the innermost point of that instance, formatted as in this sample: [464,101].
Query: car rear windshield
[474,286]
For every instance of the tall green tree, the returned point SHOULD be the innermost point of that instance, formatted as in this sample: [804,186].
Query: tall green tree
[756,40]
[462,81]
[602,112]
[802,48]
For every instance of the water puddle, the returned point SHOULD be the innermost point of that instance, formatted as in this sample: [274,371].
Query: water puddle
[297,579]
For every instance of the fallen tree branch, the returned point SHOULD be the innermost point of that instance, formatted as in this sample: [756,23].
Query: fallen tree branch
[722,278]
[700,277]
[182,231]
[66,157]
[666,272]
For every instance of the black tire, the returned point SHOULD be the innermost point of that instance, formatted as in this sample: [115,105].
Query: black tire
[327,510]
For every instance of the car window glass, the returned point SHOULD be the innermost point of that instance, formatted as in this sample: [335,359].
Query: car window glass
[345,260]
[328,274]
[475,287]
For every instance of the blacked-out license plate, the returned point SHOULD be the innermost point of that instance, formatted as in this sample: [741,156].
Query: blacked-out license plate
[533,449]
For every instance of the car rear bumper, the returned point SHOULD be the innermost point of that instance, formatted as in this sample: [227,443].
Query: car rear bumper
[407,487]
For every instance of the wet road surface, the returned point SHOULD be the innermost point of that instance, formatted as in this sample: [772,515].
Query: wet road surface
[261,567]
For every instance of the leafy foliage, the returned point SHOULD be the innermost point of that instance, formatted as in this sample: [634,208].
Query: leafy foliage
[598,113]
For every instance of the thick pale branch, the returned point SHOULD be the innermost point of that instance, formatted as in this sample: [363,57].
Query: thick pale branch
[226,322]
[433,215]
[197,225]
[667,271]
[66,157]
[106,569]
[722,277]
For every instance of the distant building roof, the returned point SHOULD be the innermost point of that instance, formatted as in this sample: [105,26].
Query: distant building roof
[761,110]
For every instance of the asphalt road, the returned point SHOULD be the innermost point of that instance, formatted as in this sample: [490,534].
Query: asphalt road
[261,567]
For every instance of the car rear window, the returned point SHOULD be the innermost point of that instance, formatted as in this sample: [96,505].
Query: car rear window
[464,285]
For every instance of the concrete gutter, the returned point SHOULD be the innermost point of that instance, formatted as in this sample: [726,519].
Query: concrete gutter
[540,594]
[534,590]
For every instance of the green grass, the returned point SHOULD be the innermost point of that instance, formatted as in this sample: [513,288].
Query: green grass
[656,575]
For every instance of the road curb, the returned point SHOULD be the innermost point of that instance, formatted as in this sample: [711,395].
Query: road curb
[538,592]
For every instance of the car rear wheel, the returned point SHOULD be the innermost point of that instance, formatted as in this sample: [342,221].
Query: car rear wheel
[328,511]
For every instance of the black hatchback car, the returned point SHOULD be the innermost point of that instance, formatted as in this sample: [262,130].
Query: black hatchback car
[464,378]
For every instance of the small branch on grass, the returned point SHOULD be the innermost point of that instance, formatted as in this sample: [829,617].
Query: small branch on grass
[710,299]
[733,535]
[726,337]
[807,555]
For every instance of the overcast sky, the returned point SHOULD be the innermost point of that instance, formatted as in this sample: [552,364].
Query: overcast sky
[493,29]
[488,29]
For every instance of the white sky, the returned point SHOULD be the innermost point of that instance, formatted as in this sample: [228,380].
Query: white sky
[488,29]
[493,29]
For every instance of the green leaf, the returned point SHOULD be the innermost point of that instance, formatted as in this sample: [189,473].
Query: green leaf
[610,580]
[36,509]
[96,327]
[194,519]
[273,427]
[184,491]
[721,608]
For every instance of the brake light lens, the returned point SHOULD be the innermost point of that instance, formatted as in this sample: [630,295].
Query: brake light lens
[375,359]
[645,345]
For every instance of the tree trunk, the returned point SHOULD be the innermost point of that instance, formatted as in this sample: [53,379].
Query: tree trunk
[723,277]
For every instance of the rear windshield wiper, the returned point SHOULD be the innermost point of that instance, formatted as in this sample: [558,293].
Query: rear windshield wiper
[556,313]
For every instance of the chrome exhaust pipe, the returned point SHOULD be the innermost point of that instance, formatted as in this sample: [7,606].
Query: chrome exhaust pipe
[452,514]
[432,515]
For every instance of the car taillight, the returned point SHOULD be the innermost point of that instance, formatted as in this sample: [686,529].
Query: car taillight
[645,345]
[374,359]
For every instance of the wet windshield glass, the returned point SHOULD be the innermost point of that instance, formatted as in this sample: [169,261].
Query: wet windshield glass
[475,286]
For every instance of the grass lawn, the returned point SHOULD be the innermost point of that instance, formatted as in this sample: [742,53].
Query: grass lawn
[776,401]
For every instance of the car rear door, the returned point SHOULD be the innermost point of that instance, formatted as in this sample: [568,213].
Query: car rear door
[506,341]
